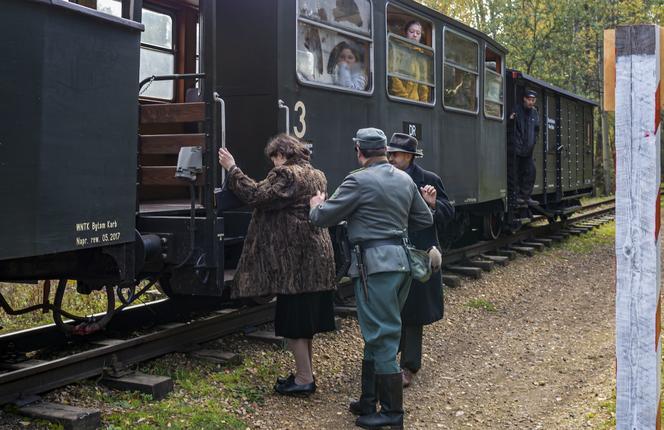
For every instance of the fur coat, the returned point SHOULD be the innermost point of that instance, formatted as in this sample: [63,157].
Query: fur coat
[283,253]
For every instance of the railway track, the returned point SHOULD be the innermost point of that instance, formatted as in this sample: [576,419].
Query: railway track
[24,374]
[472,253]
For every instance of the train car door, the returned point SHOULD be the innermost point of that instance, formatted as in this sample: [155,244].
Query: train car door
[564,144]
[588,147]
[572,145]
[580,145]
[538,151]
[549,124]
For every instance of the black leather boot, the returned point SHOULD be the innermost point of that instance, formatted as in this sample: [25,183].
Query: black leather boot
[390,395]
[367,403]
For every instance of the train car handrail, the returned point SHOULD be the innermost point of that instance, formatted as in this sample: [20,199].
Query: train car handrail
[284,106]
[152,78]
[222,118]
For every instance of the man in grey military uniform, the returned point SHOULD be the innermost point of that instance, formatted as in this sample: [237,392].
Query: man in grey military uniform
[380,203]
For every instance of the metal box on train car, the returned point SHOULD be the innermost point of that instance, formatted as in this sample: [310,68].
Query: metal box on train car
[68,129]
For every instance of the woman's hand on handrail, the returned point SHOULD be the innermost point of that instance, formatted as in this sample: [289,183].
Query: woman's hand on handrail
[226,159]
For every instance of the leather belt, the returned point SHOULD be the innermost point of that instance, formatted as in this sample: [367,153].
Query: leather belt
[375,243]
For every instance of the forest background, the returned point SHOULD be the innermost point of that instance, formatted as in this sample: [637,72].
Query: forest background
[559,41]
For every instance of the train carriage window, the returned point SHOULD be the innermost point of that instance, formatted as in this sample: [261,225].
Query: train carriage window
[460,72]
[353,15]
[157,53]
[334,45]
[410,57]
[493,84]
[157,48]
[111,7]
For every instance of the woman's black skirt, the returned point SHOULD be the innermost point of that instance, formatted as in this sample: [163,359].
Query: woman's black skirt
[301,316]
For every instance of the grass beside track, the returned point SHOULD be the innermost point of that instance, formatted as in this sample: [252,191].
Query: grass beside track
[24,295]
[585,201]
[205,396]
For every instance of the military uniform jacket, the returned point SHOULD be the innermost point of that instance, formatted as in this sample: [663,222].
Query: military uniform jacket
[378,202]
[526,127]
[424,304]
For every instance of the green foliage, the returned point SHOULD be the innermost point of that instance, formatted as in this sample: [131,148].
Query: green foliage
[25,295]
[481,304]
[586,201]
[558,41]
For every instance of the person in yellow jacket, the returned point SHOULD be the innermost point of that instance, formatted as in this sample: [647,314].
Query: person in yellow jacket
[409,89]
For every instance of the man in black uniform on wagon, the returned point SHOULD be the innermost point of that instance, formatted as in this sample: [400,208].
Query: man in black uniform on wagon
[525,128]
[424,304]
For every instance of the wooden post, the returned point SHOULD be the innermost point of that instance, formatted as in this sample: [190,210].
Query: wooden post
[638,349]
[608,73]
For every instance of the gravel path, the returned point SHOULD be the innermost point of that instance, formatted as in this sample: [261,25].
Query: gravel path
[542,359]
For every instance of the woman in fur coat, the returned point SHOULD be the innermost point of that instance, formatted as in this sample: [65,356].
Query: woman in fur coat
[285,255]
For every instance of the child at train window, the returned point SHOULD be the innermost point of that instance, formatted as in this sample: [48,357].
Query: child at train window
[409,89]
[346,67]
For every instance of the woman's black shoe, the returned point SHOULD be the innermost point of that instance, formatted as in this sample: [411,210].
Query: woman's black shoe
[282,380]
[290,388]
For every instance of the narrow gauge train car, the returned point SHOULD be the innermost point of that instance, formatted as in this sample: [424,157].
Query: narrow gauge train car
[68,147]
[448,90]
[100,206]
[564,151]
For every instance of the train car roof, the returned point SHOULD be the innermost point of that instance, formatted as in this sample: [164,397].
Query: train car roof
[93,13]
[547,85]
[449,20]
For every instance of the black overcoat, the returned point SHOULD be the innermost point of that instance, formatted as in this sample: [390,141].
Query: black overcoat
[424,304]
[526,128]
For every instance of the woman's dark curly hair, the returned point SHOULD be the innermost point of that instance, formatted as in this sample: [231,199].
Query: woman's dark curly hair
[289,147]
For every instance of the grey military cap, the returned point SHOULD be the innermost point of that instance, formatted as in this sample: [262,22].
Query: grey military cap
[370,138]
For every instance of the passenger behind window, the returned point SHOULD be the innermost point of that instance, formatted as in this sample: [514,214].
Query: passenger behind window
[346,67]
[409,89]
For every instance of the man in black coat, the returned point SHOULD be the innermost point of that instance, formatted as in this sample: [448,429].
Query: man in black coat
[424,304]
[526,126]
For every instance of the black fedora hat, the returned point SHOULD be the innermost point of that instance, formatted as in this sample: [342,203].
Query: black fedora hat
[402,142]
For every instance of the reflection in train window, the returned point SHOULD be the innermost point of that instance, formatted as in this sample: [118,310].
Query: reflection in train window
[354,15]
[460,72]
[157,53]
[112,7]
[493,84]
[157,48]
[410,57]
[332,46]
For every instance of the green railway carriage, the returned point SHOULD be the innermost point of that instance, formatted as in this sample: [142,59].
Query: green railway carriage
[218,73]
[564,152]
[460,125]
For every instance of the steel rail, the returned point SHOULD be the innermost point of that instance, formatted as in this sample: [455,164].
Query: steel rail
[46,376]
[479,248]
[132,318]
